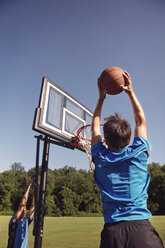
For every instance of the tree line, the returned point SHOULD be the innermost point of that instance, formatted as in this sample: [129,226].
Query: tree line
[72,192]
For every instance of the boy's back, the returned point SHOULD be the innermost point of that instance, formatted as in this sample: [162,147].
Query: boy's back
[123,180]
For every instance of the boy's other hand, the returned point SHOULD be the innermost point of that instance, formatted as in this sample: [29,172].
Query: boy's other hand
[32,179]
[102,92]
[128,83]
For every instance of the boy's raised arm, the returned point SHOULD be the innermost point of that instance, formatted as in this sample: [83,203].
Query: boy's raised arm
[31,210]
[95,129]
[23,201]
[139,116]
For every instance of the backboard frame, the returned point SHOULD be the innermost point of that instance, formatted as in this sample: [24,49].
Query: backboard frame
[40,122]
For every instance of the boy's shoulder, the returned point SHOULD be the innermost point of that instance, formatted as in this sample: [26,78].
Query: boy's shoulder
[138,146]
[140,139]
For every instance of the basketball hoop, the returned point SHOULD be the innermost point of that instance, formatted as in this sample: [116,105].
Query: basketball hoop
[83,138]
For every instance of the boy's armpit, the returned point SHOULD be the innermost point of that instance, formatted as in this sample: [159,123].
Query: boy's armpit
[146,153]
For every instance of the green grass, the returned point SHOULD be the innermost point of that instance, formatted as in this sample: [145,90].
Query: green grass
[71,232]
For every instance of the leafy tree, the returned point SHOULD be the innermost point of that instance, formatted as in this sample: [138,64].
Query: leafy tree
[156,189]
[17,167]
[68,201]
[6,187]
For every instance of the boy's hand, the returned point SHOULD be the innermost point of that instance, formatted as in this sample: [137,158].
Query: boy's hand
[102,93]
[32,179]
[128,83]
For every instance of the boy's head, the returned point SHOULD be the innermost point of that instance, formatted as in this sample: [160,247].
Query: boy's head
[16,206]
[16,203]
[117,132]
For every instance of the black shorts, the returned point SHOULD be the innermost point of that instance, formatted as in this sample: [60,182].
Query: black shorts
[130,234]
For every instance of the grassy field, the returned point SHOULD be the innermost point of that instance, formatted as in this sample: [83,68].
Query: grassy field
[71,232]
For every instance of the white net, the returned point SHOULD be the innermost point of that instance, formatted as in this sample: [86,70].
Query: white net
[84,137]
[87,148]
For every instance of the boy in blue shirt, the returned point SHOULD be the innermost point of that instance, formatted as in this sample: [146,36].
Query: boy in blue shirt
[18,225]
[122,177]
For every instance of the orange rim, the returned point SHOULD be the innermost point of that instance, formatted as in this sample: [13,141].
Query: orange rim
[76,138]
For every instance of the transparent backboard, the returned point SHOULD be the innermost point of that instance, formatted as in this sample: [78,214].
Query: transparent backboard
[59,115]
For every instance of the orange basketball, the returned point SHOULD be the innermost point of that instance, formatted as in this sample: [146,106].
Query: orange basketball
[111,79]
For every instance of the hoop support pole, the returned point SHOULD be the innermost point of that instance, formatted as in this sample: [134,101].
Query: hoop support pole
[42,195]
[36,181]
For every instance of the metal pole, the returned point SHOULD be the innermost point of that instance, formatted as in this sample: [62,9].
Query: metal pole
[36,181]
[42,195]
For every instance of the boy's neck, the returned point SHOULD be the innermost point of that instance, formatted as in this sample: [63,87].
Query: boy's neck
[114,149]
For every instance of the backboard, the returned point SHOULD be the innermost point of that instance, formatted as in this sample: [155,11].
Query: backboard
[59,115]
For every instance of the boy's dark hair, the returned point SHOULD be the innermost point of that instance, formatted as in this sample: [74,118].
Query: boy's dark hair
[117,132]
[16,203]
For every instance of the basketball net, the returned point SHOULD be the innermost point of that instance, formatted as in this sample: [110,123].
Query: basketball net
[83,139]
[87,148]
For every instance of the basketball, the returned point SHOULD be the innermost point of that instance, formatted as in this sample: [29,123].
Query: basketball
[111,79]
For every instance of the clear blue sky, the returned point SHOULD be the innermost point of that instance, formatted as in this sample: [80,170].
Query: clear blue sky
[71,42]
